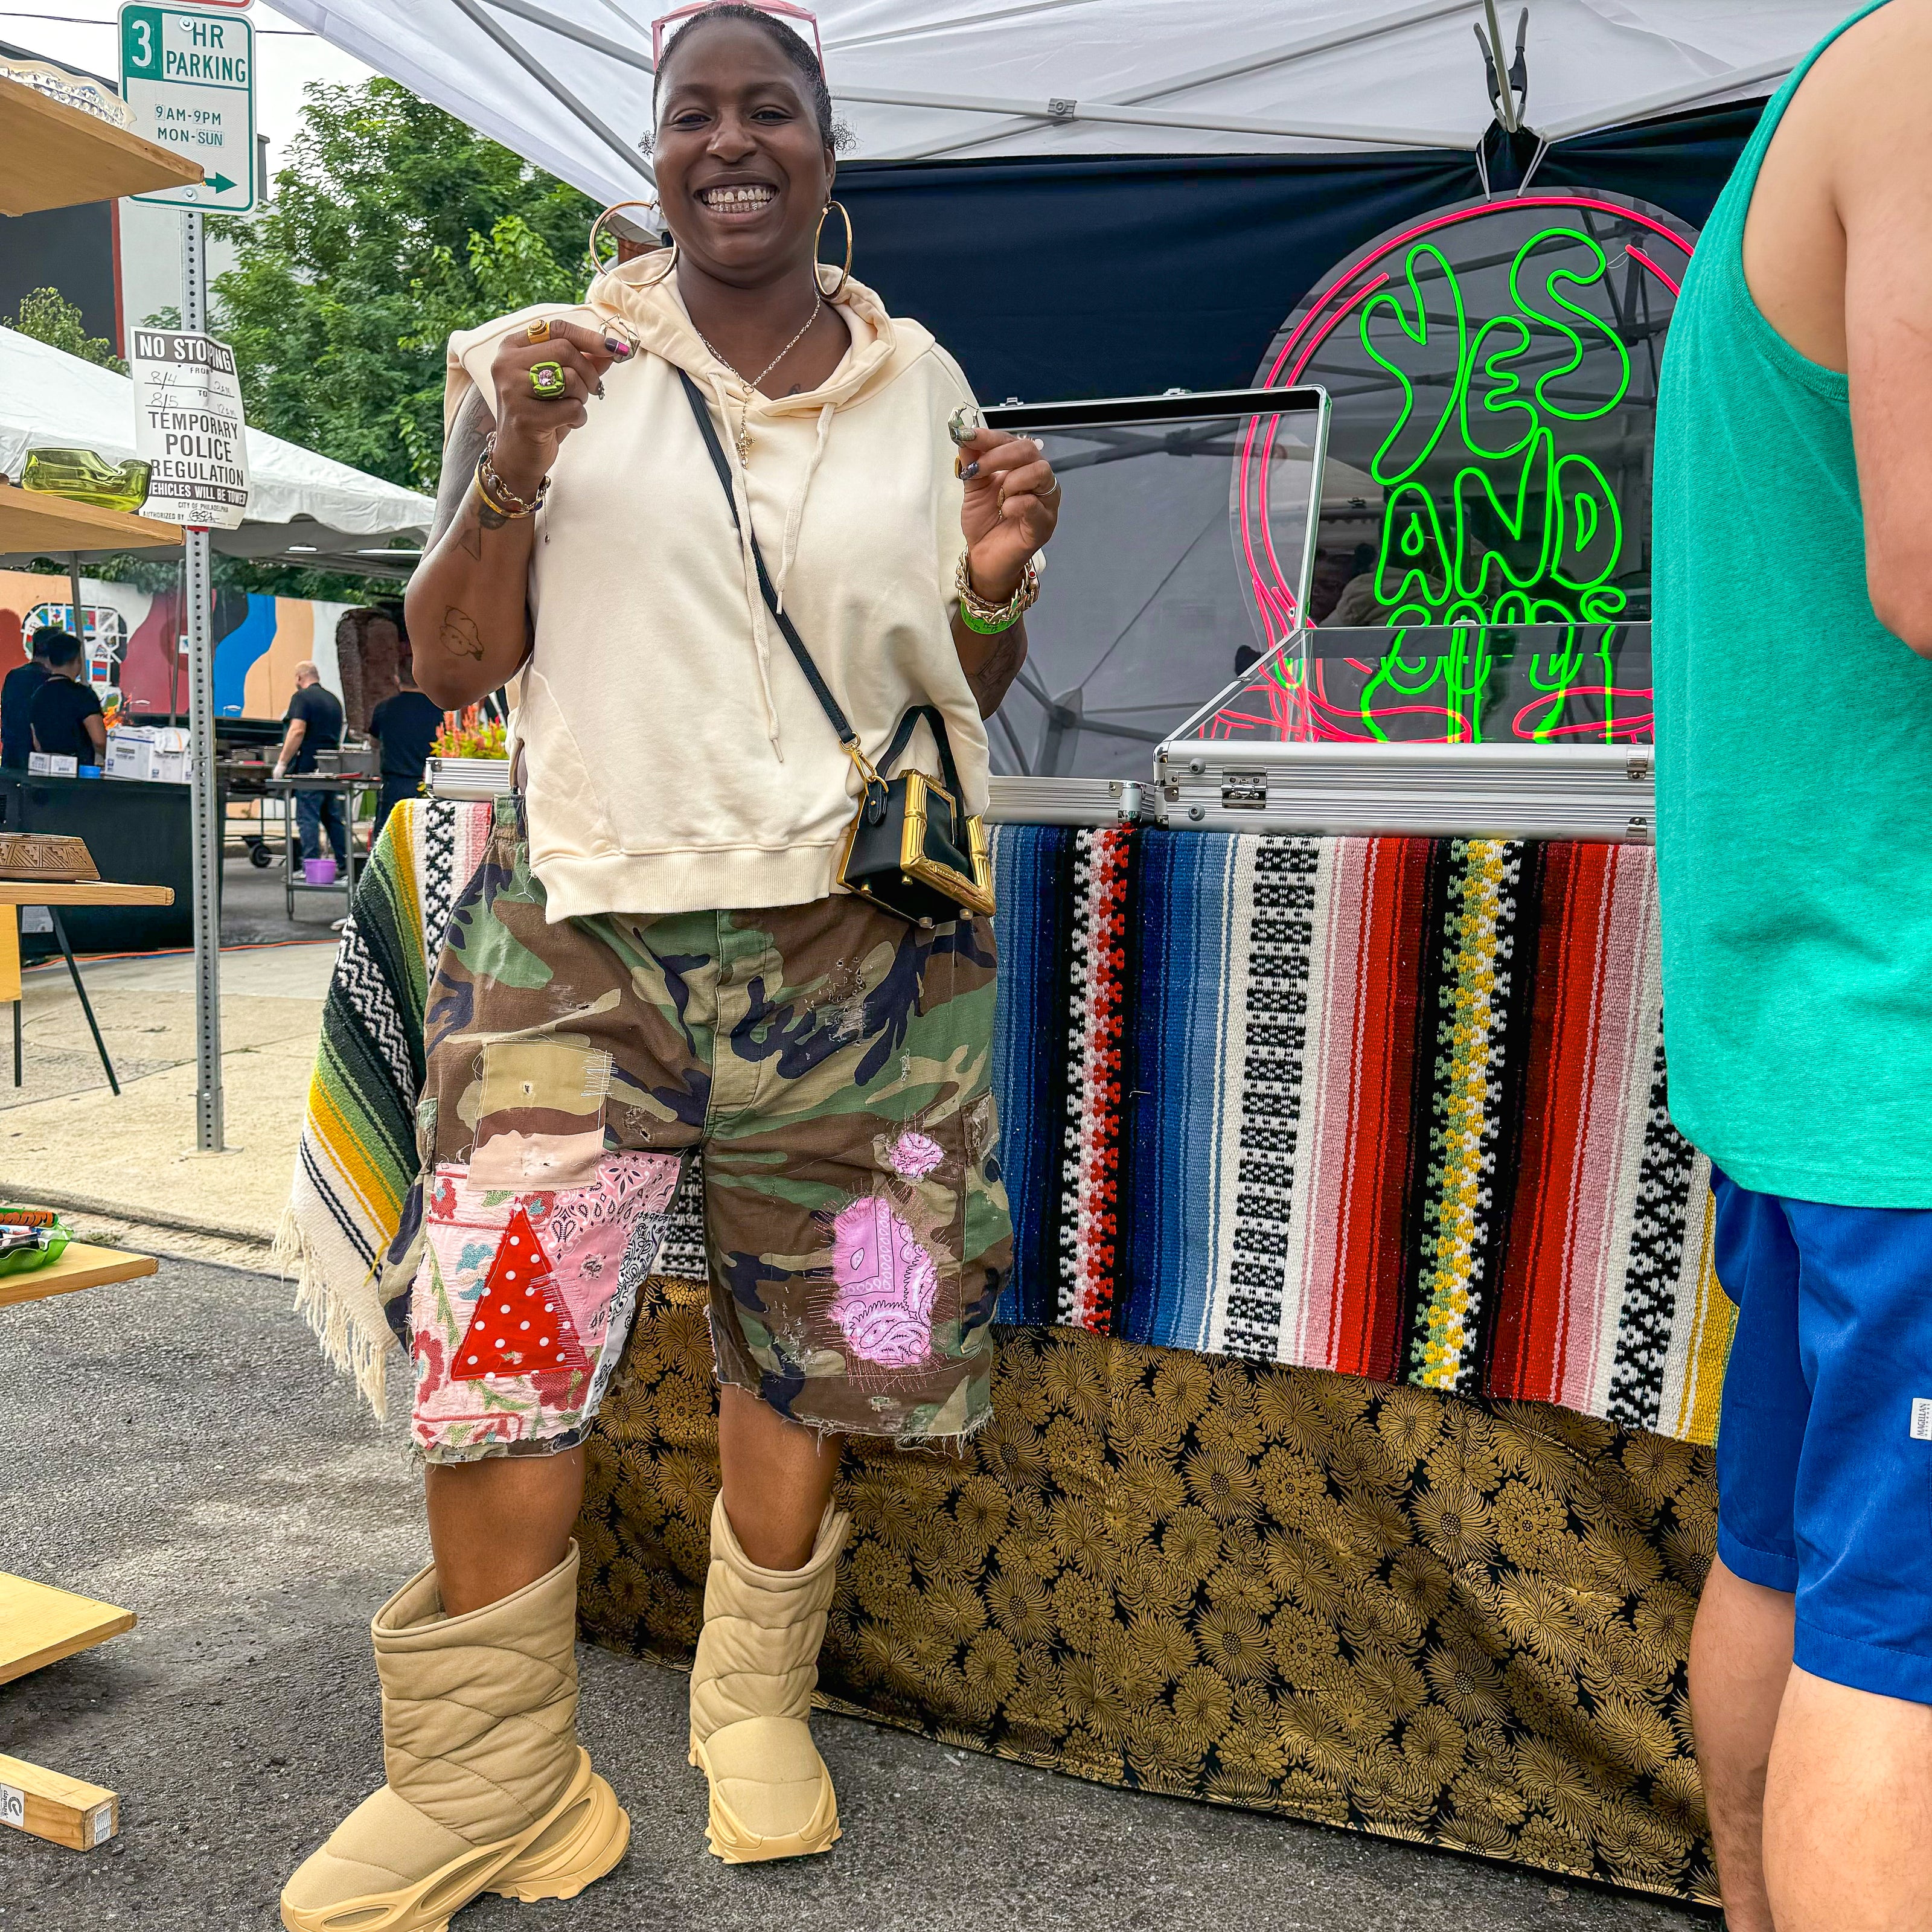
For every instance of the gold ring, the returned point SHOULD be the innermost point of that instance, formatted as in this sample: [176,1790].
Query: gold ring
[537,330]
[547,378]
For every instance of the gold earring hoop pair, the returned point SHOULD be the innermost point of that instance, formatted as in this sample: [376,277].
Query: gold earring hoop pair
[845,273]
[597,265]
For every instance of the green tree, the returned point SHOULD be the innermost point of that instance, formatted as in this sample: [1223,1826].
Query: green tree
[48,317]
[392,225]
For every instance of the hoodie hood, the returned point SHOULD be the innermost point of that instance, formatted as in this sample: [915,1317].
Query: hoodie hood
[643,294]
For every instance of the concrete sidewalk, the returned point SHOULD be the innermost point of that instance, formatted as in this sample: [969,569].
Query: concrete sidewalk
[180,1449]
[65,1136]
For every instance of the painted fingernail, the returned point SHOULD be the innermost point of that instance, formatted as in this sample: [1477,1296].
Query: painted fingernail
[971,470]
[616,346]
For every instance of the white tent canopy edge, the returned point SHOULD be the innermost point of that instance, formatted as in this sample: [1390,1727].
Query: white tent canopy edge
[566,84]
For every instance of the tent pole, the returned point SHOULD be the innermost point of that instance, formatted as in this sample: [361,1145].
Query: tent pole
[206,826]
[73,592]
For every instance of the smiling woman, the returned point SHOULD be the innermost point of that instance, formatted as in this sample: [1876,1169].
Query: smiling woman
[761,575]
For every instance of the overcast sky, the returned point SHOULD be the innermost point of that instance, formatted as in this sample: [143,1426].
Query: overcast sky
[286,56]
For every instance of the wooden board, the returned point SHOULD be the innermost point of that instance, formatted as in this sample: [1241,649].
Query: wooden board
[81,891]
[40,1625]
[32,521]
[56,156]
[45,855]
[64,1811]
[81,1265]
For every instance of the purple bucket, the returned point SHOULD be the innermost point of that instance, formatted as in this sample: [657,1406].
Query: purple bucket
[319,871]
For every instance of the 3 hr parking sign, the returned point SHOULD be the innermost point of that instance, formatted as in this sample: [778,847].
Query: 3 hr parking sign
[188,72]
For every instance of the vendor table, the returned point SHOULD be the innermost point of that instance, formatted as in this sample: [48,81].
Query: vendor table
[1346,1456]
[19,892]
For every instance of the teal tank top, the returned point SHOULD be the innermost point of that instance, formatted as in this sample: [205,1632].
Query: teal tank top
[1794,763]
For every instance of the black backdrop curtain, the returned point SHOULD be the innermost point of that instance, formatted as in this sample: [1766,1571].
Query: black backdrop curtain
[1120,275]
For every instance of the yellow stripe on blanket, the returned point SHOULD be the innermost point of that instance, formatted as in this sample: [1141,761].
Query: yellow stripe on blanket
[1713,1322]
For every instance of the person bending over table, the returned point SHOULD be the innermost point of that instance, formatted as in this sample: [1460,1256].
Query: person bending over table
[404,727]
[1794,446]
[313,720]
[65,714]
[655,955]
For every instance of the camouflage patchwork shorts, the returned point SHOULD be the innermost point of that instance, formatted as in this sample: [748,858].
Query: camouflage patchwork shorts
[832,1061]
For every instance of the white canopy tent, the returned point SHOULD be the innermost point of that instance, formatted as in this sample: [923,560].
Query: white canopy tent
[303,508]
[567,83]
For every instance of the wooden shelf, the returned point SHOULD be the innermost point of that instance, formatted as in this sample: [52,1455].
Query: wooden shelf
[59,156]
[81,1265]
[40,1625]
[80,892]
[33,522]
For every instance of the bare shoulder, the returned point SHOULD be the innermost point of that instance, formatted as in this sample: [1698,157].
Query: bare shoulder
[1854,134]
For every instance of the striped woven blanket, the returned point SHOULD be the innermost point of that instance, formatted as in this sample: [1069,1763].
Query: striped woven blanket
[1390,1106]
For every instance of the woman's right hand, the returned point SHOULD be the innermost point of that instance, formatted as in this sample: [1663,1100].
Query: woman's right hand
[530,426]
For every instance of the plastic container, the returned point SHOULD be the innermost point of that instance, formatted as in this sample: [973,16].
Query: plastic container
[88,772]
[319,871]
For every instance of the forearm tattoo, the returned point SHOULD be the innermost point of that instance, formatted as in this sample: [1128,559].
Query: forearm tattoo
[472,431]
[991,682]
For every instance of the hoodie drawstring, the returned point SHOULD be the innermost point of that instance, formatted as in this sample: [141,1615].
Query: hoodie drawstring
[797,517]
[754,600]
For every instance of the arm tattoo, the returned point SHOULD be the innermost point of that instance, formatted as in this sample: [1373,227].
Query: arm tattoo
[466,438]
[458,636]
[991,682]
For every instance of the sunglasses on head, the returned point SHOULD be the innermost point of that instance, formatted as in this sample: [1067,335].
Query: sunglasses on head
[667,24]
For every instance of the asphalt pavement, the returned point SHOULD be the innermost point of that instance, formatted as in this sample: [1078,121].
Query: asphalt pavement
[176,1445]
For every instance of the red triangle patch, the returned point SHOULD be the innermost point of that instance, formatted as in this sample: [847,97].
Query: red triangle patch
[522,1326]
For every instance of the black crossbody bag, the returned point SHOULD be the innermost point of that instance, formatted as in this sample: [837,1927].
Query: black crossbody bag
[912,846]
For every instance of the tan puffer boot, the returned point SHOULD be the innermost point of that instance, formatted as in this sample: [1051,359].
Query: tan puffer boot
[488,1790]
[751,1695]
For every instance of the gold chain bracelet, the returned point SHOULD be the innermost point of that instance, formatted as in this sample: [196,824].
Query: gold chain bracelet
[976,613]
[496,493]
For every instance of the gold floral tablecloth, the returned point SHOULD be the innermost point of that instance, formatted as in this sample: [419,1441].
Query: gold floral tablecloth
[1454,1620]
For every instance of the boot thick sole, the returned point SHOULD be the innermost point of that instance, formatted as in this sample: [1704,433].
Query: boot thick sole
[581,1838]
[729,1840]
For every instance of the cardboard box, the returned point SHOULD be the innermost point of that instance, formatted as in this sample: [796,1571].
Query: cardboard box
[130,752]
[51,765]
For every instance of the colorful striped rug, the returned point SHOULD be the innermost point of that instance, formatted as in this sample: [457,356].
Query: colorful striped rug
[1390,1106]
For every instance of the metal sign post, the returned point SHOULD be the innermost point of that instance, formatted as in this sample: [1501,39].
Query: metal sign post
[206,822]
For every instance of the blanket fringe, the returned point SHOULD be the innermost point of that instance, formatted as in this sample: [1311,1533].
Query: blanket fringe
[345,1334]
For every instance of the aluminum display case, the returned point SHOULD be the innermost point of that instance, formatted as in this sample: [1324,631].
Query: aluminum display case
[1529,731]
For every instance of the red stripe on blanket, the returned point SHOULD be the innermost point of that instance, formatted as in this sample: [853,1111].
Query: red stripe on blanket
[1367,1332]
[1550,1289]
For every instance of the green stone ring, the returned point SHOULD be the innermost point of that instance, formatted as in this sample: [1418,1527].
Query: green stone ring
[547,378]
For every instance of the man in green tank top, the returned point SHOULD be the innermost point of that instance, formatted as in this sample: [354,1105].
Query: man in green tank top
[1793,582]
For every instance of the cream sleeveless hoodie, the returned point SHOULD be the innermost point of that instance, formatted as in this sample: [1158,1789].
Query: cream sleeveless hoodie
[674,759]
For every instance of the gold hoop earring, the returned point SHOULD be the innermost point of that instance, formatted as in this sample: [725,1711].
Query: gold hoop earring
[597,265]
[845,273]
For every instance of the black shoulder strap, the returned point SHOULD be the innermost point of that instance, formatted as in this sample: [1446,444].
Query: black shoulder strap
[820,689]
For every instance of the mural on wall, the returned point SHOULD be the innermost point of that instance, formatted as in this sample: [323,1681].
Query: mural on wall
[136,644]
[1493,372]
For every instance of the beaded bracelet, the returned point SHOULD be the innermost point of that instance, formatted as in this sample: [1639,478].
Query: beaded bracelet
[496,493]
[989,619]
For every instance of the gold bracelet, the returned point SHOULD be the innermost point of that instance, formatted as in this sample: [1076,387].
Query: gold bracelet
[498,494]
[976,613]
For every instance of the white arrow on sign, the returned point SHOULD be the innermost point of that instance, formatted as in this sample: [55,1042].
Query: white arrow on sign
[188,74]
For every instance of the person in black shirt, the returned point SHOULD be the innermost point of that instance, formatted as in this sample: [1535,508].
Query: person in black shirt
[65,714]
[314,724]
[405,726]
[16,697]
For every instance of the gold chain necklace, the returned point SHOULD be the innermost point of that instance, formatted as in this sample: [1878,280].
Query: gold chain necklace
[744,437]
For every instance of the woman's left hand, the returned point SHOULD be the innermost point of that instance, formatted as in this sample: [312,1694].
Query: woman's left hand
[1012,504]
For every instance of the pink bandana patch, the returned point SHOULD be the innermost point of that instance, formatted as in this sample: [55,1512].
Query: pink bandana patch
[887,1285]
[914,1156]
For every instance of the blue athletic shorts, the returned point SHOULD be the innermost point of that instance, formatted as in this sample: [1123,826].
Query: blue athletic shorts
[1825,1445]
